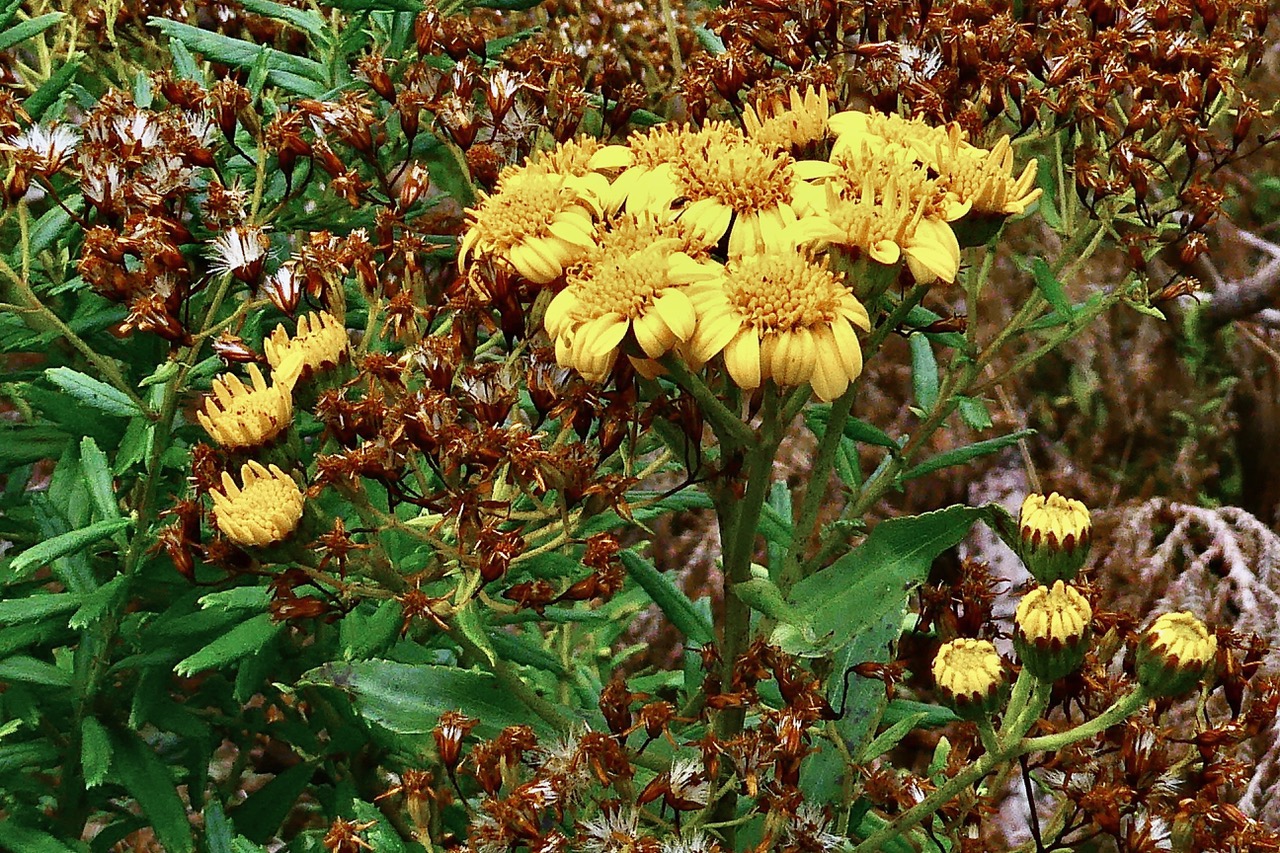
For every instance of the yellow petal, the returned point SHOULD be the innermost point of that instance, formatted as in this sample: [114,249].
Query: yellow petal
[653,335]
[675,309]
[742,359]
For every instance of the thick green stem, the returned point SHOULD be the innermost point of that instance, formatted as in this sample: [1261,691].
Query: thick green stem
[816,490]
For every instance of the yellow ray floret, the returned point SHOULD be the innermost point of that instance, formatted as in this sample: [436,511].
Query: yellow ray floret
[783,316]
[237,415]
[263,511]
[321,342]
[632,281]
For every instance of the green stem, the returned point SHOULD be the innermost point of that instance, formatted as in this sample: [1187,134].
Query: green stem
[895,318]
[1119,711]
[816,489]
[727,426]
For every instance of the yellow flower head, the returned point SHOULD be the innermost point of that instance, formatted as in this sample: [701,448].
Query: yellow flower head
[969,675]
[732,184]
[886,223]
[237,416]
[321,342]
[984,180]
[582,158]
[782,316]
[792,126]
[536,221]
[1174,654]
[633,280]
[264,511]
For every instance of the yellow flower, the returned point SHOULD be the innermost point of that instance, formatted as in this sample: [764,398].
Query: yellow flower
[536,221]
[1051,630]
[888,225]
[782,316]
[1174,654]
[264,511]
[984,179]
[633,280]
[239,416]
[321,342]
[582,158]
[790,127]
[969,676]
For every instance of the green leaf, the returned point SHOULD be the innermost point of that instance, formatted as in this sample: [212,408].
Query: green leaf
[1050,287]
[261,814]
[97,474]
[297,74]
[409,698]
[856,606]
[670,600]
[376,5]
[306,20]
[14,836]
[98,603]
[28,29]
[8,11]
[95,752]
[892,736]
[244,639]
[974,413]
[382,835]
[924,372]
[29,670]
[468,621]
[934,715]
[55,223]
[217,829]
[49,92]
[710,42]
[137,767]
[1047,180]
[764,596]
[33,608]
[184,64]
[238,598]
[448,169]
[363,635]
[68,543]
[35,753]
[93,392]
[524,650]
[961,455]
[817,418]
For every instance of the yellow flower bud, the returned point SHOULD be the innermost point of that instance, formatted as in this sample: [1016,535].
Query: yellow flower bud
[970,677]
[1055,534]
[264,511]
[1174,654]
[1051,630]
[239,416]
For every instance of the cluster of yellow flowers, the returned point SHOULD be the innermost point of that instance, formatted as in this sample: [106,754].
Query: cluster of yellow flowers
[267,506]
[718,242]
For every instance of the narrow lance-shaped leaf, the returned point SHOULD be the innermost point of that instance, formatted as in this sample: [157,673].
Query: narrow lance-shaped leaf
[675,604]
[93,392]
[68,543]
